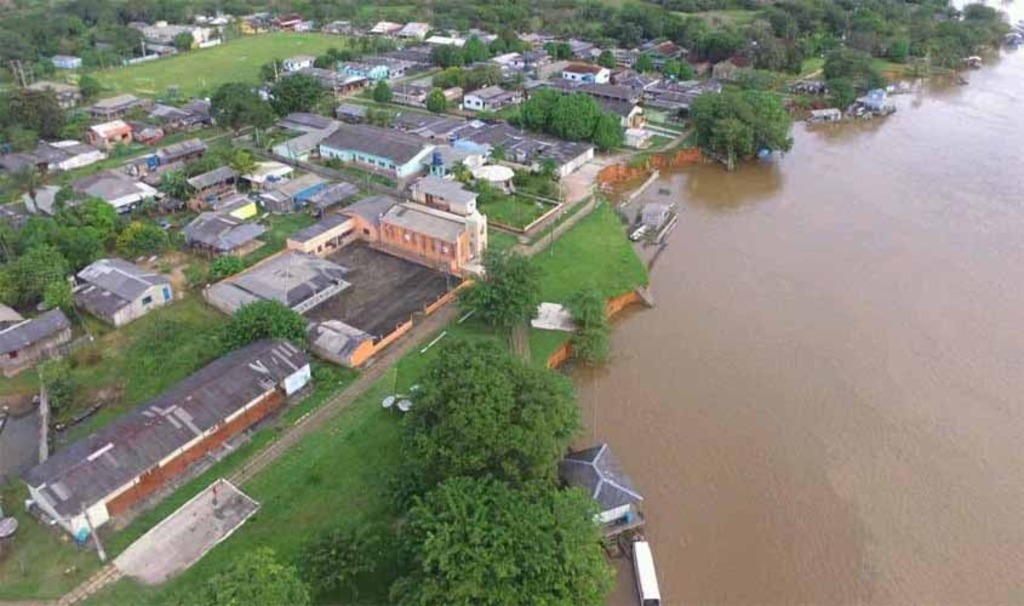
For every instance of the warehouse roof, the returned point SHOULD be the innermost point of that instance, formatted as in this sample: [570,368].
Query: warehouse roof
[213,177]
[221,231]
[87,471]
[383,143]
[423,220]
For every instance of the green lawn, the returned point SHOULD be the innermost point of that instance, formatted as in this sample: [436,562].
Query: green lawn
[201,72]
[500,240]
[594,253]
[279,227]
[736,18]
[514,211]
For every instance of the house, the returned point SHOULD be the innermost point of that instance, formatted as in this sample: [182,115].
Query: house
[372,72]
[211,185]
[386,151]
[114,107]
[597,472]
[287,22]
[351,113]
[443,161]
[297,280]
[414,30]
[267,173]
[323,237]
[339,28]
[531,61]
[506,60]
[630,115]
[433,237]
[333,194]
[116,189]
[585,72]
[236,205]
[385,28]
[446,41]
[367,214]
[522,148]
[410,94]
[66,62]
[338,83]
[55,156]
[82,486]
[109,134]
[219,233]
[68,95]
[288,196]
[45,201]
[582,50]
[294,64]
[662,52]
[337,342]
[444,194]
[396,68]
[199,109]
[169,117]
[490,98]
[26,343]
[305,145]
[162,33]
[146,134]
[119,292]
[306,122]
[728,70]
[184,151]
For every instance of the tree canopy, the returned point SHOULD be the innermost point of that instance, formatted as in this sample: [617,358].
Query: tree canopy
[736,125]
[483,412]
[255,579]
[508,294]
[475,541]
[236,105]
[382,92]
[264,320]
[589,312]
[436,101]
[296,93]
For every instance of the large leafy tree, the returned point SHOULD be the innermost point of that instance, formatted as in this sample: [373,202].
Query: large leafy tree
[483,412]
[341,559]
[436,101]
[508,294]
[607,132]
[475,50]
[735,125]
[589,312]
[255,579]
[37,111]
[235,105]
[296,93]
[138,239]
[606,59]
[477,541]
[24,281]
[263,320]
[382,92]
[574,117]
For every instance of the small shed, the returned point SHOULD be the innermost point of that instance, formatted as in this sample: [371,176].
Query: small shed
[599,473]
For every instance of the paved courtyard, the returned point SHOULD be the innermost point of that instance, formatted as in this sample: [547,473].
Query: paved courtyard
[187,534]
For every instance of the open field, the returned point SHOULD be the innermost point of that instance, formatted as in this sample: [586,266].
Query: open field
[513,211]
[199,73]
[724,18]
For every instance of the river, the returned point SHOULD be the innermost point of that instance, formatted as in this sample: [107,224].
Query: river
[825,405]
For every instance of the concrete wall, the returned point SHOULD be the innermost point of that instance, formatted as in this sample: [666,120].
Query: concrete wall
[158,295]
[613,306]
[617,173]
[33,354]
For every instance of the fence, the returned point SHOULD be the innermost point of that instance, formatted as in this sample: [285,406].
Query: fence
[617,173]
[613,306]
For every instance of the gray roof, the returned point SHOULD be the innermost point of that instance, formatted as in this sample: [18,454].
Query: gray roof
[305,121]
[178,150]
[421,220]
[619,108]
[114,103]
[333,194]
[30,332]
[336,340]
[351,110]
[109,285]
[286,190]
[214,177]
[489,92]
[87,471]
[452,191]
[9,315]
[221,231]
[383,143]
[307,141]
[291,278]
[319,228]
[371,209]
[108,185]
[597,471]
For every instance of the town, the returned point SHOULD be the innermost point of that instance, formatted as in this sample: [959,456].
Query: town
[262,272]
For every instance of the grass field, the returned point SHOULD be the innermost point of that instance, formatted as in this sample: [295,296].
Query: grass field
[513,211]
[279,227]
[199,73]
[735,18]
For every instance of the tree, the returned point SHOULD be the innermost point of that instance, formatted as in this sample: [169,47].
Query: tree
[89,86]
[854,66]
[478,541]
[296,93]
[484,412]
[842,91]
[341,558]
[183,41]
[225,266]
[447,56]
[38,111]
[236,105]
[59,382]
[271,70]
[680,70]
[27,180]
[608,132]
[436,101]
[644,64]
[26,279]
[242,162]
[139,239]
[535,112]
[474,51]
[737,124]
[508,294]
[606,59]
[590,340]
[255,579]
[58,296]
[575,117]
[264,320]
[174,183]
[382,92]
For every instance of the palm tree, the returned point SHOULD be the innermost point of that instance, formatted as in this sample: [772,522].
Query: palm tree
[242,162]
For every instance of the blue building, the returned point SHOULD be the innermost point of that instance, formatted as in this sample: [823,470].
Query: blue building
[67,62]
[385,151]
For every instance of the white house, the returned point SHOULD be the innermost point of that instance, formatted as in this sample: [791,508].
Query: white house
[294,64]
[585,72]
[491,98]
[414,30]
[119,292]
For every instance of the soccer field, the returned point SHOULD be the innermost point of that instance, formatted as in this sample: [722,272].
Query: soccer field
[200,72]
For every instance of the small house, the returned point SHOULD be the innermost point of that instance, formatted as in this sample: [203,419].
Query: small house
[114,107]
[351,113]
[107,135]
[266,174]
[116,189]
[218,233]
[337,342]
[585,72]
[323,237]
[236,205]
[444,194]
[66,62]
[414,30]
[119,292]
[597,472]
[372,72]
[294,64]
[68,95]
[306,122]
[490,99]
[213,184]
[184,151]
[385,28]
[288,196]
[29,342]
[332,195]
[9,317]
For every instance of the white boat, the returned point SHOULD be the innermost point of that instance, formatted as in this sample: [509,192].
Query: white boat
[646,578]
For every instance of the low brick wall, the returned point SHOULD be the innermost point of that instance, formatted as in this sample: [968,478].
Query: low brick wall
[614,306]
[617,173]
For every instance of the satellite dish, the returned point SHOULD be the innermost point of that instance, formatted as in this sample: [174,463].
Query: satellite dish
[404,405]
[388,402]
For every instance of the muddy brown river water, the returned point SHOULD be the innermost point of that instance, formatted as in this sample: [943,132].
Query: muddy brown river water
[827,404]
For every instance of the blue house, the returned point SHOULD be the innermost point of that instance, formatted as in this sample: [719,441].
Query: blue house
[384,151]
[66,62]
[373,72]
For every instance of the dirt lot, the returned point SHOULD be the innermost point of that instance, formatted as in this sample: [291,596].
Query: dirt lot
[385,290]
[187,534]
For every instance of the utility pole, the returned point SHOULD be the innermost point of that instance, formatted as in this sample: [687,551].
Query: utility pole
[92,532]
